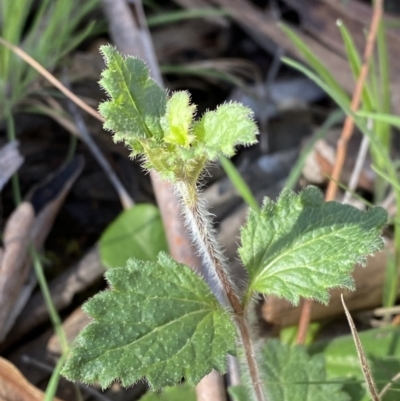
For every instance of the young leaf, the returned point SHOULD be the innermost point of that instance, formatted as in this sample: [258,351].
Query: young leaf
[178,120]
[221,130]
[161,130]
[290,374]
[137,103]
[159,322]
[301,246]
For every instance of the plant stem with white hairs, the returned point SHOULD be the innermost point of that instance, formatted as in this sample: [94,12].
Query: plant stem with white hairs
[199,223]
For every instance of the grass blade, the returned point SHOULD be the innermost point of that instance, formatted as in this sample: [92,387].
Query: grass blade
[354,59]
[313,61]
[164,18]
[238,182]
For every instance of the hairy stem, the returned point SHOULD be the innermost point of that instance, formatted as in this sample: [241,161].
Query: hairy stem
[199,223]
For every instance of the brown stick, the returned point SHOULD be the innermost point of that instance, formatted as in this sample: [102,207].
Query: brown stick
[54,81]
[369,380]
[347,132]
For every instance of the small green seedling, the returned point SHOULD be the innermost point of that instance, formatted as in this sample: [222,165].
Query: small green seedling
[160,321]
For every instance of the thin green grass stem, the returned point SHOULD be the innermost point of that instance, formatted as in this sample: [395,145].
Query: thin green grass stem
[383,97]
[396,272]
[164,18]
[390,285]
[238,182]
[392,269]
[56,322]
[54,317]
[54,379]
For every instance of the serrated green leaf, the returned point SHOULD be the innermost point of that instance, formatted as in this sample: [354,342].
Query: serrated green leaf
[137,103]
[136,233]
[159,322]
[291,375]
[178,120]
[301,246]
[221,130]
[184,392]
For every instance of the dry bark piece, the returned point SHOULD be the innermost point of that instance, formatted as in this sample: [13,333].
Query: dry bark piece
[210,388]
[15,387]
[14,269]
[274,98]
[44,203]
[369,283]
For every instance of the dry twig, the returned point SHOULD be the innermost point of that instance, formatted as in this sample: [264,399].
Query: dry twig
[54,81]
[361,356]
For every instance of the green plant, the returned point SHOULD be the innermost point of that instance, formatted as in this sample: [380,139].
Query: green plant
[160,321]
[376,106]
[48,31]
[375,95]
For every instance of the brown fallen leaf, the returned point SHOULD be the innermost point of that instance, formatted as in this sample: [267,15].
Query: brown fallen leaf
[31,221]
[13,268]
[14,386]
